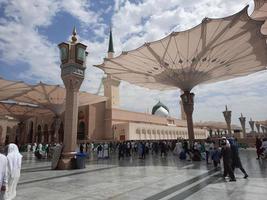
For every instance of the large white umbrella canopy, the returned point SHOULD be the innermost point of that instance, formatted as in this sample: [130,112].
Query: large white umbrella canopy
[52,97]
[10,89]
[22,111]
[215,50]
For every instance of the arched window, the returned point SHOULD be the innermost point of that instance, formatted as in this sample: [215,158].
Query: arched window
[30,134]
[61,133]
[1,131]
[8,130]
[52,132]
[81,131]
[39,134]
[81,115]
[46,135]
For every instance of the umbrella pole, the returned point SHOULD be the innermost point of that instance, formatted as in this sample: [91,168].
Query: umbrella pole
[57,122]
[188,104]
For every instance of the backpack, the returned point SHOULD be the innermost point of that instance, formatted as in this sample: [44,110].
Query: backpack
[182,155]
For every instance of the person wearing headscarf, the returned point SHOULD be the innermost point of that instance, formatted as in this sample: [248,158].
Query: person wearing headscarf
[227,159]
[3,176]
[14,159]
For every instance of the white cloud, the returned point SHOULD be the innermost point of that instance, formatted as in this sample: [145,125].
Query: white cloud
[21,42]
[31,13]
[81,10]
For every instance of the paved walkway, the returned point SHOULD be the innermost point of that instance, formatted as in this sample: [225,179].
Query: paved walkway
[151,179]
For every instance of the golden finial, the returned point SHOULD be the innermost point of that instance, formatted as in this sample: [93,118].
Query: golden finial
[74,33]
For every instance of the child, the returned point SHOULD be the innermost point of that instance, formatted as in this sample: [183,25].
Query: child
[215,156]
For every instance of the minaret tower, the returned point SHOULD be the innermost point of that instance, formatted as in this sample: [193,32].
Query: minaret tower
[111,85]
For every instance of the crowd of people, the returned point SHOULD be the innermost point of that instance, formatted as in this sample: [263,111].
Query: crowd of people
[212,152]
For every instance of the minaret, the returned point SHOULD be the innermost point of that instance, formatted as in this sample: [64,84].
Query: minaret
[110,45]
[111,85]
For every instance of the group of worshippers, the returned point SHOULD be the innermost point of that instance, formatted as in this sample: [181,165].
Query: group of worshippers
[197,151]
[10,167]
[102,151]
[209,151]
[40,150]
[143,148]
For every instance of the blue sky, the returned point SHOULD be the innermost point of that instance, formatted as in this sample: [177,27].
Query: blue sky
[31,29]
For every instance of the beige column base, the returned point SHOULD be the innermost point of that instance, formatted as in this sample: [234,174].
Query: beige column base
[66,161]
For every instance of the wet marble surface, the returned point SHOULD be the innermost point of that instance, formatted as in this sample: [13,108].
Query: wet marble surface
[151,179]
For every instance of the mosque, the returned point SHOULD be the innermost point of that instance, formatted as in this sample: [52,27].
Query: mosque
[98,120]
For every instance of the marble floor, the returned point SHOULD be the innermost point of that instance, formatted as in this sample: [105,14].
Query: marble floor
[151,179]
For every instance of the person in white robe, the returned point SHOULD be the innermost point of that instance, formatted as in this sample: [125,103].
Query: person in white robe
[3,176]
[178,148]
[34,147]
[106,150]
[14,159]
[29,146]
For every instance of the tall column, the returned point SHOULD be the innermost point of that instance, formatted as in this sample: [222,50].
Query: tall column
[251,123]
[22,132]
[3,132]
[263,129]
[227,116]
[57,122]
[188,104]
[258,126]
[73,65]
[243,124]
[183,115]
[71,114]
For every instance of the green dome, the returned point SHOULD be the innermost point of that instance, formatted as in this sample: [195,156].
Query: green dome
[157,106]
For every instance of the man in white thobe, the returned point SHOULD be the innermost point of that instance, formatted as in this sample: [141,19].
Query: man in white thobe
[3,176]
[14,159]
[106,150]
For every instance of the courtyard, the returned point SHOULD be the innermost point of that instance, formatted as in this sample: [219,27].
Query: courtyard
[131,178]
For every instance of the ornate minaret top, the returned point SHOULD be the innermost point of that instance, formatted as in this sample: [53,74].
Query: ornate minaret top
[73,57]
[74,33]
[110,45]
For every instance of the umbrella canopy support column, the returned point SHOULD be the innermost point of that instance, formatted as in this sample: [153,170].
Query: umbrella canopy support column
[188,105]
[243,124]
[22,132]
[57,126]
[227,116]
[3,133]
